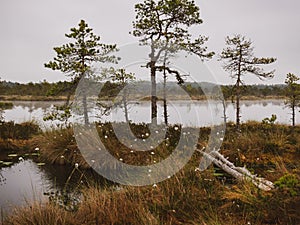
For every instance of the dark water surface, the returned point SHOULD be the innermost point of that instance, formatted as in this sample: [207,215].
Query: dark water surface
[27,181]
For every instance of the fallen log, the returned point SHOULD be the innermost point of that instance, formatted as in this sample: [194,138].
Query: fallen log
[240,173]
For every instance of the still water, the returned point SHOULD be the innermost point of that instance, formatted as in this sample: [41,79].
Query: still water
[26,181]
[196,113]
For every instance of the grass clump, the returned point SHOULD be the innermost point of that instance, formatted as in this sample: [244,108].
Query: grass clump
[22,131]
[59,147]
[16,137]
[40,214]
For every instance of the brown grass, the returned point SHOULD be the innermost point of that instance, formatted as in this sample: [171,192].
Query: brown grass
[189,197]
[40,214]
[59,147]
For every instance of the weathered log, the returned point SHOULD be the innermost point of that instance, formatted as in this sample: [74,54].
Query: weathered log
[240,173]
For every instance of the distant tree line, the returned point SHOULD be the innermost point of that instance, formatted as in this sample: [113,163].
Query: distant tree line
[43,88]
[111,89]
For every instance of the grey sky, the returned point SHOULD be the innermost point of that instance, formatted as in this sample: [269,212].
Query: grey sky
[31,28]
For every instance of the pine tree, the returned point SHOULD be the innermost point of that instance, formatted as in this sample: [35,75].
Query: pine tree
[239,60]
[293,94]
[75,58]
[161,25]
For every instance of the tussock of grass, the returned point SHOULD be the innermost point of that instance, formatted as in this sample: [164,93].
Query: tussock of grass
[59,147]
[16,137]
[22,131]
[40,214]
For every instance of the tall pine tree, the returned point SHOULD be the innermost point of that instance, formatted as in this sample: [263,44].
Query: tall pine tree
[161,25]
[75,58]
[293,94]
[239,60]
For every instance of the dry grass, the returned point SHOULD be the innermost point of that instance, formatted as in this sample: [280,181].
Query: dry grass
[59,147]
[175,201]
[189,197]
[40,214]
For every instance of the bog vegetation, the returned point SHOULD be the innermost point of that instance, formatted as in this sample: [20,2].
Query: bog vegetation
[189,197]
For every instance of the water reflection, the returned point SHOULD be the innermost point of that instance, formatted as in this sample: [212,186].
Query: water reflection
[25,181]
[179,112]
[20,183]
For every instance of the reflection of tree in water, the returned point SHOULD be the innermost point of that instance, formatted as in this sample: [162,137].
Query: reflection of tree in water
[4,106]
[279,102]
[248,103]
[2,179]
[264,103]
[1,115]
[44,105]
[69,178]
[65,184]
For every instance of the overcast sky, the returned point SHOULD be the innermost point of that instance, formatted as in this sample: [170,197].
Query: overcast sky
[31,28]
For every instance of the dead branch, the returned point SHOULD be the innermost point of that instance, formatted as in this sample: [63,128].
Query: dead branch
[240,173]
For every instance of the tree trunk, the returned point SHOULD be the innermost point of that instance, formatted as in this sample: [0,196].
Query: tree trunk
[293,114]
[240,173]
[152,65]
[125,105]
[153,93]
[224,110]
[84,99]
[165,106]
[238,92]
[238,106]
[85,109]
[165,94]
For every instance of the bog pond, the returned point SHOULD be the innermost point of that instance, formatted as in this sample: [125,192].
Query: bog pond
[182,112]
